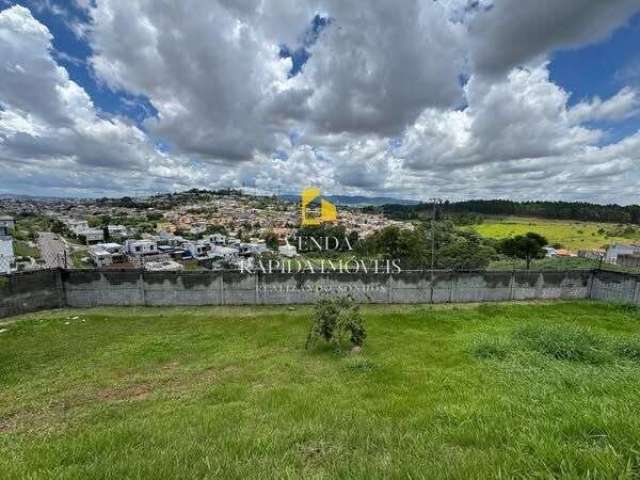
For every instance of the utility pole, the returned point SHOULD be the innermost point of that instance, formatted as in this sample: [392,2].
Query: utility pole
[433,238]
[433,243]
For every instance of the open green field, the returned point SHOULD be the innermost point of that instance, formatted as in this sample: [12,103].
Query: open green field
[572,235]
[541,390]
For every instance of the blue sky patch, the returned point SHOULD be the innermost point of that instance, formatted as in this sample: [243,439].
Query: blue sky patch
[300,54]
[598,69]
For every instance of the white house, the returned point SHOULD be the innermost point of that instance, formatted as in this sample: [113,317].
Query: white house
[141,247]
[92,235]
[233,241]
[101,258]
[7,257]
[217,239]
[77,226]
[102,254]
[198,248]
[287,251]
[614,250]
[226,253]
[7,221]
[81,228]
[166,238]
[253,248]
[118,231]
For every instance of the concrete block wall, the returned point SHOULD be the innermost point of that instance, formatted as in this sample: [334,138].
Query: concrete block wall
[615,287]
[92,288]
[29,292]
[26,292]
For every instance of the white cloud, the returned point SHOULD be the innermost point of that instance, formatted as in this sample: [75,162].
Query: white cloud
[446,98]
[625,104]
[49,126]
[512,33]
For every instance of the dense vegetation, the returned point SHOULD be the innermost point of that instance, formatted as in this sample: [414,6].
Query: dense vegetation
[582,211]
[497,391]
[453,248]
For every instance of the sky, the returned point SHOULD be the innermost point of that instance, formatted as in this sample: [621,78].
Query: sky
[455,99]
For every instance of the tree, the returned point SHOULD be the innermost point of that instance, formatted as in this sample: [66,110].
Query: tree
[57,227]
[455,249]
[465,251]
[271,240]
[526,247]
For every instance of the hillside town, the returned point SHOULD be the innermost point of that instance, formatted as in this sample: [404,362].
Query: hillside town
[189,231]
[166,232]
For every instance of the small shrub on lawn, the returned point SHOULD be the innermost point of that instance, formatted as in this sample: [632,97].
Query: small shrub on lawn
[337,322]
[563,342]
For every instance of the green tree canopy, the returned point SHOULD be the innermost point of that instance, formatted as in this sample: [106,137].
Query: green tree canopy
[526,247]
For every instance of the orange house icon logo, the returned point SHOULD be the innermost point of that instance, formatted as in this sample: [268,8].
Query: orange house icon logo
[328,211]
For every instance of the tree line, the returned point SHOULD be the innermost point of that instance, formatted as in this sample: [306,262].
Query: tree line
[581,211]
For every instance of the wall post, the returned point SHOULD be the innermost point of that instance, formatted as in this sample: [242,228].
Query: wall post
[143,294]
[62,298]
[222,300]
[512,282]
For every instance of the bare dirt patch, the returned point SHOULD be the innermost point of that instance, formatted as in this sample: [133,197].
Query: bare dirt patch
[6,425]
[132,392]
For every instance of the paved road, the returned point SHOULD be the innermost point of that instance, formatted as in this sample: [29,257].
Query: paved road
[52,249]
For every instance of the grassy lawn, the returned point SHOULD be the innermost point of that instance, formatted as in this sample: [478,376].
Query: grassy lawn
[537,390]
[555,263]
[23,249]
[77,257]
[571,234]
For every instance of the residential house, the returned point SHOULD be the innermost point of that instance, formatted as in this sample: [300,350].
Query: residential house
[140,247]
[104,254]
[7,257]
[92,235]
[252,248]
[118,232]
[626,260]
[7,221]
[217,239]
[289,251]
[198,248]
[614,250]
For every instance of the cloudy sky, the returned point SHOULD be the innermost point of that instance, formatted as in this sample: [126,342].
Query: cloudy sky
[414,99]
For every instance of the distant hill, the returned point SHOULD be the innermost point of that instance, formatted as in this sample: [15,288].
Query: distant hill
[356,201]
[34,198]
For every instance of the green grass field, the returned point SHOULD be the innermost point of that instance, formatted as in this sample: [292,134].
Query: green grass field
[23,249]
[571,234]
[555,263]
[495,391]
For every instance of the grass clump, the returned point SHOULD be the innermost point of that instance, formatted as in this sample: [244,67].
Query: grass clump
[490,348]
[564,342]
[629,349]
